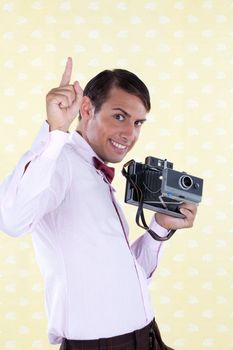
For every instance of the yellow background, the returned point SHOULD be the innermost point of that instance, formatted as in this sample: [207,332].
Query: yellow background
[183,52]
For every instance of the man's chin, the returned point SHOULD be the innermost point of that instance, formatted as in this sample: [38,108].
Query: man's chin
[115,160]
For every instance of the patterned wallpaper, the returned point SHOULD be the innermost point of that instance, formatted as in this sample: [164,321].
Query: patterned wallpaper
[182,49]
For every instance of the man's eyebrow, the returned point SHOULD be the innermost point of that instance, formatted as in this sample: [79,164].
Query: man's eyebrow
[122,110]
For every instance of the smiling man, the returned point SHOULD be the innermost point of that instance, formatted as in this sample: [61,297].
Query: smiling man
[95,282]
[113,130]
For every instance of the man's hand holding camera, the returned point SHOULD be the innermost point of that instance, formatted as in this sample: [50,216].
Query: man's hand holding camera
[172,194]
[171,223]
[63,103]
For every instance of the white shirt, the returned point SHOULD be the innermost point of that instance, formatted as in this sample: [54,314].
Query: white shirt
[95,283]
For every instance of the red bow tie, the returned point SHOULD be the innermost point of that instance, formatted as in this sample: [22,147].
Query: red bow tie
[106,170]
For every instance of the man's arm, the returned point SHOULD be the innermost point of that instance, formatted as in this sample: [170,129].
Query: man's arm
[41,178]
[25,196]
[147,250]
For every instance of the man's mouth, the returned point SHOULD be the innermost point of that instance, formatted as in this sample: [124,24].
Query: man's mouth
[118,145]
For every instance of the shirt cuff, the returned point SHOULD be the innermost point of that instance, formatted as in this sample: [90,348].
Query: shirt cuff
[154,226]
[56,142]
[159,230]
[149,241]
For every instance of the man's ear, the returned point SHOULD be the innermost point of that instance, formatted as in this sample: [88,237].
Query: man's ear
[86,108]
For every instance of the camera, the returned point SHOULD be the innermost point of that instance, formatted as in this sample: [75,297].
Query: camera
[154,185]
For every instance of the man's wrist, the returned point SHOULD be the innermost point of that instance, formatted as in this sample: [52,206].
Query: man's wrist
[63,128]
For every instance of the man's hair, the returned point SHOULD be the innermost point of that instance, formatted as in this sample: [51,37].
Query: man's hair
[99,87]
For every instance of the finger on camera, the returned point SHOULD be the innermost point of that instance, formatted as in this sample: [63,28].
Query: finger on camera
[188,212]
[189,206]
[173,223]
[189,218]
[176,223]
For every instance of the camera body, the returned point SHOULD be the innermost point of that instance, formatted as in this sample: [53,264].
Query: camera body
[157,187]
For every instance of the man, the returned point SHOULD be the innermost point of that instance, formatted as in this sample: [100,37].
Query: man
[95,283]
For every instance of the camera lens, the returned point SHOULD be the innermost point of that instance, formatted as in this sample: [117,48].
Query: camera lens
[185,182]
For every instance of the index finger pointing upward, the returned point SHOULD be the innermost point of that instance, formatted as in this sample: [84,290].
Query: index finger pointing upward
[65,80]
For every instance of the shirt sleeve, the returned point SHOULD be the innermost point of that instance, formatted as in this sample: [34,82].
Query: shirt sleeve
[147,250]
[27,195]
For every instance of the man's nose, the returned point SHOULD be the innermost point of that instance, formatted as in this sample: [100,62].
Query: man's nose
[128,132]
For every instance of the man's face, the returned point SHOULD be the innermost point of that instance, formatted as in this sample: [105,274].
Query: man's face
[115,128]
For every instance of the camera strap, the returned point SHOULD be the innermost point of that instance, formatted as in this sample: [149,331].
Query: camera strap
[140,217]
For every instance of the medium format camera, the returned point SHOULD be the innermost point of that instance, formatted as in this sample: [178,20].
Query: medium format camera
[156,186]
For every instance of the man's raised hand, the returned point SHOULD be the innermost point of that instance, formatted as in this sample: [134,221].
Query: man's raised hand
[63,102]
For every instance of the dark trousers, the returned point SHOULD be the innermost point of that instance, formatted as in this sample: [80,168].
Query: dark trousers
[147,338]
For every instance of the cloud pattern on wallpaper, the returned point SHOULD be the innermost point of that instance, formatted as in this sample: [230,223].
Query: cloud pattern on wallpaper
[183,51]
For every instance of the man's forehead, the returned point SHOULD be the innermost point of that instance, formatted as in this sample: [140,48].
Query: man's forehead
[119,98]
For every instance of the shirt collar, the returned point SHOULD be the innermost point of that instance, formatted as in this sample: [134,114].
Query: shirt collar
[82,147]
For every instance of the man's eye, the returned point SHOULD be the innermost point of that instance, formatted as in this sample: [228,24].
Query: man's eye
[119,117]
[139,123]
